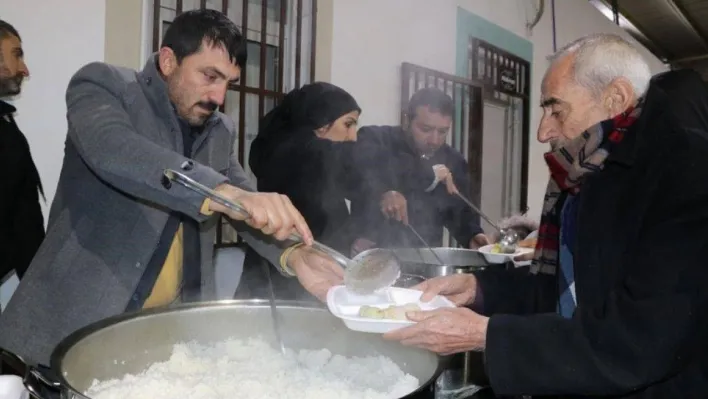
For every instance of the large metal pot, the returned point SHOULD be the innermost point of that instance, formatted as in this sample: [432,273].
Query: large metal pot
[421,262]
[465,371]
[130,343]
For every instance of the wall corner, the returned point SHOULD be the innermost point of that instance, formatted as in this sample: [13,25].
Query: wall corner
[124,33]
[323,47]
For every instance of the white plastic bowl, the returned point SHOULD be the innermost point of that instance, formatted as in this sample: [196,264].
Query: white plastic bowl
[11,387]
[492,257]
[345,305]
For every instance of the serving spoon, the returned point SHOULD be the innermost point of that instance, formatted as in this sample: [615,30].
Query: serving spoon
[509,239]
[368,272]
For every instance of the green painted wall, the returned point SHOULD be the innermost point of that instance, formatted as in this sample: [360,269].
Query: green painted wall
[472,25]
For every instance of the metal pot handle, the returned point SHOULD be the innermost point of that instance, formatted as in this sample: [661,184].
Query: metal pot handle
[36,381]
[38,384]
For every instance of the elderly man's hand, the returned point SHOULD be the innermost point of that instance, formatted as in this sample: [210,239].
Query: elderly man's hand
[460,289]
[316,272]
[271,213]
[444,331]
[524,258]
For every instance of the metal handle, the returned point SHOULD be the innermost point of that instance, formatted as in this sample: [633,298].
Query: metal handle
[35,380]
[427,246]
[195,186]
[273,312]
[479,212]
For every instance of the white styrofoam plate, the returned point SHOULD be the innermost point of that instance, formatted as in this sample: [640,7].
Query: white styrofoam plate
[12,387]
[492,257]
[345,305]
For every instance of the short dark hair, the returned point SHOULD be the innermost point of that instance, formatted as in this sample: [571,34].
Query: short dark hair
[8,30]
[190,29]
[433,98]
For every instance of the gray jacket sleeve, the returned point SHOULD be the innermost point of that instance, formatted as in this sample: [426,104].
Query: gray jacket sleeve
[266,246]
[104,136]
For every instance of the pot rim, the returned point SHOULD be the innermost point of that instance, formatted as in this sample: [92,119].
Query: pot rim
[74,338]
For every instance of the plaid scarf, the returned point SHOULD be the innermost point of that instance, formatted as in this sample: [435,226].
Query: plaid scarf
[569,165]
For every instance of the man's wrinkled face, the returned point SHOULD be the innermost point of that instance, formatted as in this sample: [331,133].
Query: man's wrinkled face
[12,66]
[197,86]
[568,108]
[429,129]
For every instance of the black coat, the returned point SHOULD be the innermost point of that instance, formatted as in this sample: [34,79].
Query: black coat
[317,175]
[403,170]
[21,220]
[641,268]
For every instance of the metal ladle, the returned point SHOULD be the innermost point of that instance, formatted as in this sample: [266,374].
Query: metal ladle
[273,312]
[368,272]
[508,240]
[425,243]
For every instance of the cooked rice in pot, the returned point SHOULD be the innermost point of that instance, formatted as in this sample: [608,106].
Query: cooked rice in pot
[252,369]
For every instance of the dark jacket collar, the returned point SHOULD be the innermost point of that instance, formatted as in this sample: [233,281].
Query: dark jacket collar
[155,87]
[403,140]
[6,108]
[678,97]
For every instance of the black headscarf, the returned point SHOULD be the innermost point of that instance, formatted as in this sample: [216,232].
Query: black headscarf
[298,115]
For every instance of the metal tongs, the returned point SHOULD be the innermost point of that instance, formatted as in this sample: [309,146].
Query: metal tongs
[368,272]
[508,238]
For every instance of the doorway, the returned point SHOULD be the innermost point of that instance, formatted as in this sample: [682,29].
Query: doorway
[466,132]
[506,117]
[501,159]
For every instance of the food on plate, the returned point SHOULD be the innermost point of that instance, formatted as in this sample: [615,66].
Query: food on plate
[371,312]
[528,243]
[253,369]
[393,312]
[496,249]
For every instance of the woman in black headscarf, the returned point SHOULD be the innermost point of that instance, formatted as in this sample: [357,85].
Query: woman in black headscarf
[304,150]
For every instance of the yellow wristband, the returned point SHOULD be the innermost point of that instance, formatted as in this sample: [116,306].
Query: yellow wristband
[284,258]
[204,210]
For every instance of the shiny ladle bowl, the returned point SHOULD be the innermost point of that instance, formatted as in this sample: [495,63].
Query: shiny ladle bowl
[508,238]
[509,241]
[367,273]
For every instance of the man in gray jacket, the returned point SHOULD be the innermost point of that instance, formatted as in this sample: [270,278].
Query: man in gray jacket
[121,237]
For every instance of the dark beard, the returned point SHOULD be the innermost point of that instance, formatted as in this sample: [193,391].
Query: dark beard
[179,98]
[9,86]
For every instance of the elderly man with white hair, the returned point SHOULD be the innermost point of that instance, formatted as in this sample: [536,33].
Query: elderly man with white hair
[614,303]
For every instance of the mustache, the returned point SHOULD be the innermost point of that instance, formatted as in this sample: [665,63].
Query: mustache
[5,75]
[208,105]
